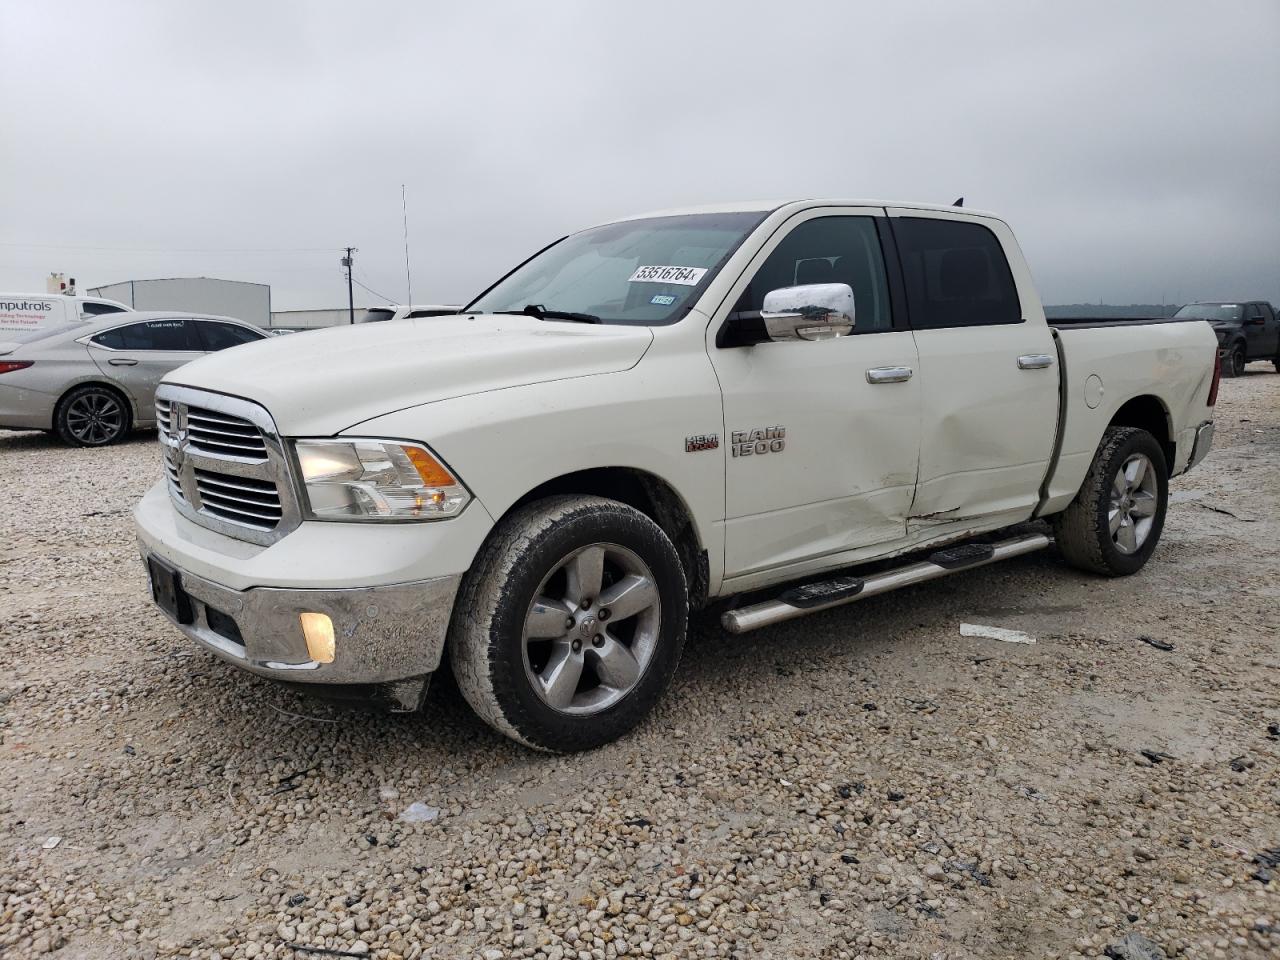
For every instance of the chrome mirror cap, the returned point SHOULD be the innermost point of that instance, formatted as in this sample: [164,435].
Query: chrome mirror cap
[814,311]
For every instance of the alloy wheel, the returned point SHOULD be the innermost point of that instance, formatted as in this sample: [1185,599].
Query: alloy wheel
[95,418]
[591,629]
[1132,508]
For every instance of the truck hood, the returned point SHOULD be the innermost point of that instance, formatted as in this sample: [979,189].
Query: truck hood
[321,382]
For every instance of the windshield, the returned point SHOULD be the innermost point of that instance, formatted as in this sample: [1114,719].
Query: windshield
[641,272]
[1211,311]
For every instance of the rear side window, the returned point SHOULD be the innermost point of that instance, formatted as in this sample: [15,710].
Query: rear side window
[174,335]
[377,314]
[431,313]
[98,309]
[956,274]
[219,336]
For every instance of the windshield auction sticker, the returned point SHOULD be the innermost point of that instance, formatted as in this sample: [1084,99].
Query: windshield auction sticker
[686,276]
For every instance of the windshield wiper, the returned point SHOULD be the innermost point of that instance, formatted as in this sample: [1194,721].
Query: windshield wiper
[540,312]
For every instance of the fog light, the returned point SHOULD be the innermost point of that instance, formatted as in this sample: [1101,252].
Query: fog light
[318,629]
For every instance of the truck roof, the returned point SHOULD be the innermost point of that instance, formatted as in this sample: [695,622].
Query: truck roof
[770,206]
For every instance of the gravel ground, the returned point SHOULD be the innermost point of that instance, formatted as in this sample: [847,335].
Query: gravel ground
[861,783]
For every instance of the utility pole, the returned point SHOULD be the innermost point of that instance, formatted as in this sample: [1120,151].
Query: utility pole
[351,301]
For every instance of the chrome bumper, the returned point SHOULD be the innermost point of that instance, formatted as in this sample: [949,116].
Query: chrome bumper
[1204,442]
[382,635]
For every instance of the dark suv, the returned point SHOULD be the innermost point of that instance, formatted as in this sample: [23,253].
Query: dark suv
[1247,330]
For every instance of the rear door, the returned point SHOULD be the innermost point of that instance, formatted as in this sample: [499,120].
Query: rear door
[138,355]
[988,371]
[821,449]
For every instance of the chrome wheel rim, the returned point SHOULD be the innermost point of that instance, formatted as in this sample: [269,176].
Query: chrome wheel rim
[95,418]
[591,629]
[1135,495]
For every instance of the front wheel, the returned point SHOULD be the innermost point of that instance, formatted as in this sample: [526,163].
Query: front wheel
[1114,523]
[569,626]
[1233,361]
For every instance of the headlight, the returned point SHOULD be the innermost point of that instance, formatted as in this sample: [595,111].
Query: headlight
[377,480]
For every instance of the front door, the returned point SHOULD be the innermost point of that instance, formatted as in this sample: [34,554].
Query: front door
[1260,328]
[821,454]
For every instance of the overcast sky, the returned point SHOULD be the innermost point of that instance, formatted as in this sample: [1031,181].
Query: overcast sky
[1134,146]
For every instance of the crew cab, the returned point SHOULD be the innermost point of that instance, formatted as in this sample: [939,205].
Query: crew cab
[1247,330]
[740,406]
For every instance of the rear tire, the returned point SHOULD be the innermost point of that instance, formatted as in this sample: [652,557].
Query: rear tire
[92,416]
[1114,523]
[569,625]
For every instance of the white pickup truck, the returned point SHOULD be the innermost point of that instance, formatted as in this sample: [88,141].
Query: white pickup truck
[749,401]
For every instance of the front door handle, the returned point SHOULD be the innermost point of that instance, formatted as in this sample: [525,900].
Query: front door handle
[1035,361]
[122,362]
[888,374]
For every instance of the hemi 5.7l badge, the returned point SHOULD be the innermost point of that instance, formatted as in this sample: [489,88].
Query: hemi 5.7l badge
[703,441]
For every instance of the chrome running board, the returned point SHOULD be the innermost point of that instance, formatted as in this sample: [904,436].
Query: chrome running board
[837,591]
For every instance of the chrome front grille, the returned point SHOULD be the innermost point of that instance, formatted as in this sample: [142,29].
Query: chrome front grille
[225,465]
[223,435]
[255,503]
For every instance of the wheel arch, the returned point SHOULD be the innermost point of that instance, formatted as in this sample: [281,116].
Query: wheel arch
[1148,412]
[651,495]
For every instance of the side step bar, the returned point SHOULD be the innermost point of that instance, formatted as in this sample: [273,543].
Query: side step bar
[825,594]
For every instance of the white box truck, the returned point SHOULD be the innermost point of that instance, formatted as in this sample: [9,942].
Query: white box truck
[33,311]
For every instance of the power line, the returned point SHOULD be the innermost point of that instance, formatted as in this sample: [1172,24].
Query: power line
[380,296]
[69,246]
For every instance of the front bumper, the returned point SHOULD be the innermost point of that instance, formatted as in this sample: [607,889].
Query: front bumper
[382,634]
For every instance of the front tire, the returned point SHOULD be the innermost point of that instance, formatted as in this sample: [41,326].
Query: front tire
[92,416]
[569,625]
[1233,361]
[1114,523]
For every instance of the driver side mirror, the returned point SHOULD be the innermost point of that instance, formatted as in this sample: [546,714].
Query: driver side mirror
[814,311]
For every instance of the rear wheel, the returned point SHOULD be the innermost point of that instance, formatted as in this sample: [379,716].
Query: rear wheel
[1114,523]
[568,628]
[92,416]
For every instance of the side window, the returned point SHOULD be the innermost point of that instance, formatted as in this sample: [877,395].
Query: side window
[956,274]
[99,309]
[829,250]
[416,314]
[219,336]
[173,335]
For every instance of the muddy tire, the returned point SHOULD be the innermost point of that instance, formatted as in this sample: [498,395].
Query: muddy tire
[570,624]
[92,416]
[1233,361]
[1114,523]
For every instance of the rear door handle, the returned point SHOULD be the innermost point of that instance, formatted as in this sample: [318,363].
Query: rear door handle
[122,362]
[1035,361]
[888,374]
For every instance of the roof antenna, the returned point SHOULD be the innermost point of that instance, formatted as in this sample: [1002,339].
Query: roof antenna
[408,278]
[959,202]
